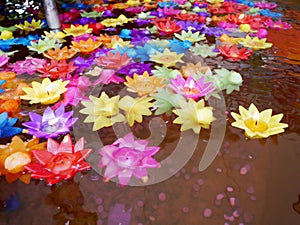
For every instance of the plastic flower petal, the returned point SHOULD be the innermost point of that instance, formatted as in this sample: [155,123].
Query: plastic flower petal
[7,128]
[166,100]
[50,124]
[127,157]
[166,73]
[135,108]
[15,155]
[194,115]
[60,161]
[3,60]
[258,124]
[191,88]
[108,76]
[143,84]
[46,92]
[255,43]
[102,111]
[166,58]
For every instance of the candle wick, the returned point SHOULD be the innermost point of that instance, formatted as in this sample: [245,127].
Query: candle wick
[256,122]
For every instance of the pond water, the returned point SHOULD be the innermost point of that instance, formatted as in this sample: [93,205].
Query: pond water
[251,181]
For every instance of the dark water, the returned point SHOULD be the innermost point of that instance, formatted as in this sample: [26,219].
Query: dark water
[249,182]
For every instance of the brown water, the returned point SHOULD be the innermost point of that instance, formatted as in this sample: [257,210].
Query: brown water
[266,195]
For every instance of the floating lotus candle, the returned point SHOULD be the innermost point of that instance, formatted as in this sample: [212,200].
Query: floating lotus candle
[143,84]
[43,45]
[258,124]
[32,26]
[46,92]
[77,30]
[85,46]
[102,111]
[191,88]
[166,58]
[135,108]
[112,61]
[127,157]
[255,43]
[193,115]
[167,27]
[235,53]
[60,161]
[60,53]
[50,124]
[57,69]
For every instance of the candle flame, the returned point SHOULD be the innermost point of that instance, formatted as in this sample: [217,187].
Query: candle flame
[256,117]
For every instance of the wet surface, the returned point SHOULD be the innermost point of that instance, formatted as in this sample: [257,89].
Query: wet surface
[249,182]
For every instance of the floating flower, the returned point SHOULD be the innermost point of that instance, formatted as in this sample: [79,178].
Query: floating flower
[235,53]
[230,40]
[7,128]
[265,5]
[190,36]
[32,26]
[76,88]
[86,46]
[50,124]
[166,73]
[228,80]
[167,58]
[135,108]
[166,100]
[16,155]
[255,43]
[43,45]
[57,69]
[115,22]
[108,76]
[193,115]
[58,36]
[60,161]
[60,53]
[77,30]
[143,84]
[102,111]
[192,69]
[127,157]
[278,25]
[167,27]
[179,46]
[190,88]
[258,124]
[133,68]
[46,92]
[112,61]
[11,106]
[204,50]
[29,65]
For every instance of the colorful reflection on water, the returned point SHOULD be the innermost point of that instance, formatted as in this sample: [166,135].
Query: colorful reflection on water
[249,182]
